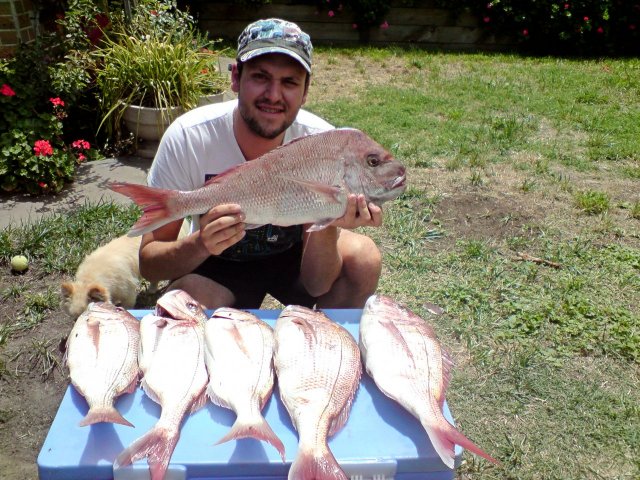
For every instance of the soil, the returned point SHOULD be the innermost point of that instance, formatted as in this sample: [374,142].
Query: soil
[31,389]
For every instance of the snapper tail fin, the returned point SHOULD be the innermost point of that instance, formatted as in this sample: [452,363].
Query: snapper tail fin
[444,438]
[258,429]
[103,414]
[156,445]
[311,464]
[157,204]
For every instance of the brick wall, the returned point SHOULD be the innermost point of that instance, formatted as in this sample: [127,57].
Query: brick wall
[16,25]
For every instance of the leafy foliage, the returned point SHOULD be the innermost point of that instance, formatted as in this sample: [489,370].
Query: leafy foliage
[592,27]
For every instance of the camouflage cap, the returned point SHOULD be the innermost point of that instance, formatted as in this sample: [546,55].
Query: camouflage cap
[274,35]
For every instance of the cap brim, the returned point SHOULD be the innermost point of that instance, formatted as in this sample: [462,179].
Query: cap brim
[264,50]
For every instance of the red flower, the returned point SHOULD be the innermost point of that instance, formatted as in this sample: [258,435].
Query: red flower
[525,32]
[600,30]
[486,19]
[42,148]
[82,157]
[586,19]
[566,6]
[57,102]
[330,13]
[42,185]
[81,145]
[6,90]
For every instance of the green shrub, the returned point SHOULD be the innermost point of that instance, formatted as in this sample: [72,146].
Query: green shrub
[592,27]
[33,155]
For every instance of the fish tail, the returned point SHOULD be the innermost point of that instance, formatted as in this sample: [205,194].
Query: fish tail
[444,439]
[103,414]
[156,205]
[310,465]
[259,429]
[156,445]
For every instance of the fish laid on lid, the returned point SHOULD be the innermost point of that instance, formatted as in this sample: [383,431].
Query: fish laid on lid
[174,375]
[318,367]
[402,354]
[102,357]
[239,358]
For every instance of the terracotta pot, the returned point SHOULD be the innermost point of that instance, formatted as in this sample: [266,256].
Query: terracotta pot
[148,125]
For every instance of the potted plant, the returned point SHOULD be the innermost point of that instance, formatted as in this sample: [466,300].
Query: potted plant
[150,72]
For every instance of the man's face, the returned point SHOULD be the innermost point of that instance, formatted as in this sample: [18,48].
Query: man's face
[271,90]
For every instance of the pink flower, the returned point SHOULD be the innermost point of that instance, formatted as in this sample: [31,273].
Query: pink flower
[486,19]
[600,30]
[82,157]
[330,13]
[566,6]
[384,25]
[42,148]
[57,102]
[6,90]
[81,145]
[354,26]
[586,19]
[525,32]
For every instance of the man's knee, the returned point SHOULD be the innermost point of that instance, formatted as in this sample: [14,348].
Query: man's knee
[362,261]
[207,292]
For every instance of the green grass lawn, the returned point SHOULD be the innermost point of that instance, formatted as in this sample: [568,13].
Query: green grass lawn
[522,221]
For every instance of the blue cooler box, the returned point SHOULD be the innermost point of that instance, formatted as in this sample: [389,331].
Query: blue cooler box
[380,440]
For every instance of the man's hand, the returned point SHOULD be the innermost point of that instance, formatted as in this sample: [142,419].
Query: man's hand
[359,214]
[221,227]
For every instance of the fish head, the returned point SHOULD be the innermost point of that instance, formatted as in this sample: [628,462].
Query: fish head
[179,305]
[234,314]
[372,170]
[106,311]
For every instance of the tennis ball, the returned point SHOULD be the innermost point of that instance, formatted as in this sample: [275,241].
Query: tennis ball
[19,263]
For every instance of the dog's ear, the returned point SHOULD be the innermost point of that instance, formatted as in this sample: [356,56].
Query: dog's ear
[97,293]
[67,289]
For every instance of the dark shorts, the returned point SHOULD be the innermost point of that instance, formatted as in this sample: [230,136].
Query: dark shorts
[250,281]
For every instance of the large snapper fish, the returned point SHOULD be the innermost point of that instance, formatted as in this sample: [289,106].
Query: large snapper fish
[305,181]
[239,357]
[402,354]
[318,367]
[102,357]
[174,375]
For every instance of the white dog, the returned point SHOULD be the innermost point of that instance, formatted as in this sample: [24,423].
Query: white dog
[108,274]
[111,273]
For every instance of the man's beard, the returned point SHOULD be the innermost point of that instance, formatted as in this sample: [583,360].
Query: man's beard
[255,126]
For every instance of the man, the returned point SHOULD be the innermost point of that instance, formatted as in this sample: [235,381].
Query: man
[222,264]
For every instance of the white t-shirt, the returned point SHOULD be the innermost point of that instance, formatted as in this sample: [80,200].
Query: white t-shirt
[200,144]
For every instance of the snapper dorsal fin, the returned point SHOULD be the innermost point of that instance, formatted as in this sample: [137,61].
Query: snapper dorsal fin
[228,172]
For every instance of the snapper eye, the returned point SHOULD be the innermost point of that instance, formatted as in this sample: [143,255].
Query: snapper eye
[373,160]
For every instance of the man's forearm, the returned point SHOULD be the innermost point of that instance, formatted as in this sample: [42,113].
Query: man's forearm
[168,260]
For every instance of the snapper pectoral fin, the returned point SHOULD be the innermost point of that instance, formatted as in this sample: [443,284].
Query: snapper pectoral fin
[320,225]
[331,192]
